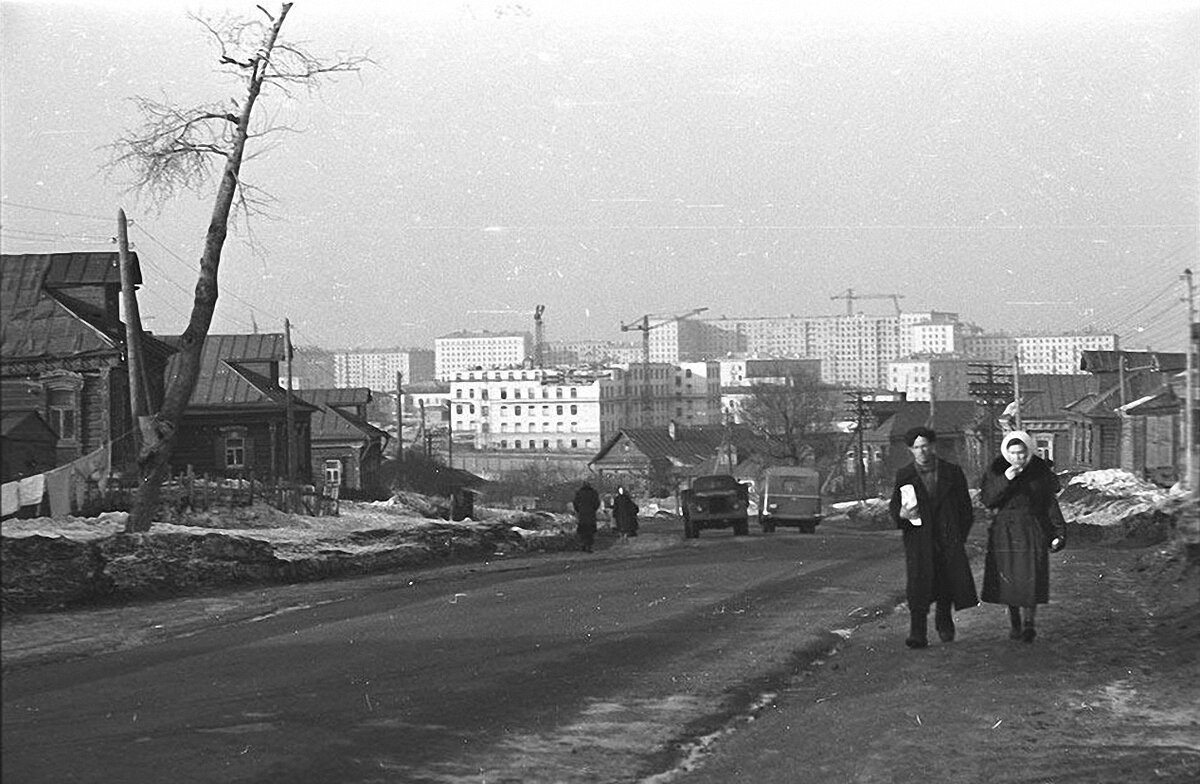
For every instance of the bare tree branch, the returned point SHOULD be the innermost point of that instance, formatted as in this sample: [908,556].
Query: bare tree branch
[179,149]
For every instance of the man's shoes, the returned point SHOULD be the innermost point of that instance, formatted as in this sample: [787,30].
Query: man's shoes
[1014,633]
[946,634]
[1028,633]
[918,632]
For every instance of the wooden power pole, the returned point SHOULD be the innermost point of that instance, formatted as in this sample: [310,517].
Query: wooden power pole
[138,394]
[290,438]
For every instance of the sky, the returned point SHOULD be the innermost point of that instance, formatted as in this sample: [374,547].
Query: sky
[1031,167]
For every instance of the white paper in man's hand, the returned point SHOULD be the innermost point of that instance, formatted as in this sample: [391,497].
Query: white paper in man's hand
[908,504]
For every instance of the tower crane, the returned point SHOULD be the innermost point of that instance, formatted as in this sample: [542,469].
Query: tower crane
[643,324]
[539,337]
[850,296]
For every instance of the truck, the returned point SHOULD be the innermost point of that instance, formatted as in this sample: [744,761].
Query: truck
[715,501]
[789,496]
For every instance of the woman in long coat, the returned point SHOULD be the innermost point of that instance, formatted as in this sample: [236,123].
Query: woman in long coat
[1022,488]
[625,513]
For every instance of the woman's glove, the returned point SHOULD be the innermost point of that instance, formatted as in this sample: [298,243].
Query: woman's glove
[1057,543]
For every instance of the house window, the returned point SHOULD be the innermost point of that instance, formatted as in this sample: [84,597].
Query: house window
[559,410]
[517,444]
[574,410]
[333,473]
[235,450]
[62,413]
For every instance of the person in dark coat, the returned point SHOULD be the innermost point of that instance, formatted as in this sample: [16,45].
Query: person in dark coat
[625,514]
[931,505]
[586,502]
[1028,524]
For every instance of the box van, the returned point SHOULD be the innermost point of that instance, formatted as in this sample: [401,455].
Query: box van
[790,496]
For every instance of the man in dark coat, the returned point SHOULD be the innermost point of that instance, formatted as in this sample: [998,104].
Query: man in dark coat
[586,502]
[931,505]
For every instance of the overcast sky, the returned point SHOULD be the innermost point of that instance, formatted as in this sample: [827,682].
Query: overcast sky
[1028,167]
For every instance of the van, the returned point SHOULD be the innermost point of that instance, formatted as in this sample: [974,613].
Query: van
[790,496]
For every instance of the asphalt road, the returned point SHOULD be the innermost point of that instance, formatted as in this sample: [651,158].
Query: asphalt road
[573,667]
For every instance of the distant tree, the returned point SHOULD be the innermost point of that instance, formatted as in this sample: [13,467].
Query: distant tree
[796,417]
[179,148]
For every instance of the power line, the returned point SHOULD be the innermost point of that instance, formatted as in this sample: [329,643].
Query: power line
[8,203]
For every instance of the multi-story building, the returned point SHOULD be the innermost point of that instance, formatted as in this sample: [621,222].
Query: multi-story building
[854,350]
[740,376]
[1052,353]
[460,351]
[376,369]
[929,377]
[529,409]
[592,352]
[638,395]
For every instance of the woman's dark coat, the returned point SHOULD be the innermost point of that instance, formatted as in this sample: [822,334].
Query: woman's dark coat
[935,552]
[625,514]
[1027,517]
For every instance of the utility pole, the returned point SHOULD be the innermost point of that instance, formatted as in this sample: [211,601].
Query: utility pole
[860,410]
[290,438]
[399,415]
[994,390]
[1016,376]
[1192,483]
[138,394]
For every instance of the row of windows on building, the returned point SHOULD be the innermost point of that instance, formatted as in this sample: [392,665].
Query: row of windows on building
[560,443]
[529,410]
[516,393]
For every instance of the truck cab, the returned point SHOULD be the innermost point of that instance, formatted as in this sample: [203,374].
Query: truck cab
[715,501]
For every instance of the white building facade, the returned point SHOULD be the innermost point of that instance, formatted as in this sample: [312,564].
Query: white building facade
[1050,353]
[526,409]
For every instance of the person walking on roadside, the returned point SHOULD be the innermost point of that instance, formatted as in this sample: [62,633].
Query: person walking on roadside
[586,502]
[1022,489]
[625,514]
[930,504]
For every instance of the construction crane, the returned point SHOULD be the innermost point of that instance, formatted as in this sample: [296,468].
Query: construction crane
[850,296]
[645,326]
[539,337]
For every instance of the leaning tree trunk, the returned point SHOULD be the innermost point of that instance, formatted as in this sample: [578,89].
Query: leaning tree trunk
[158,434]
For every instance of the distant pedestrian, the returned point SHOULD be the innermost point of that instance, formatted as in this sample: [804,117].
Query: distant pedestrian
[1022,489]
[625,514]
[931,505]
[586,503]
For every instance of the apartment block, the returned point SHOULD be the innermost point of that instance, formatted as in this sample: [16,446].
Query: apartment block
[1052,353]
[376,369]
[930,377]
[636,395]
[527,409]
[465,351]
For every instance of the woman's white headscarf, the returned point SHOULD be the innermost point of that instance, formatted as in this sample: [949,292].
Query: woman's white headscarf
[1017,435]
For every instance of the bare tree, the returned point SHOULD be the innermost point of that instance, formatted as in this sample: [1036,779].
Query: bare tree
[796,417]
[179,149]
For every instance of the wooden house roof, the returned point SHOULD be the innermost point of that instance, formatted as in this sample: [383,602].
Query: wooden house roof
[241,371]
[1098,361]
[949,417]
[1047,395]
[40,318]
[690,445]
[334,418]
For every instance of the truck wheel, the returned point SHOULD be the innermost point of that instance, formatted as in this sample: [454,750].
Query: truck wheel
[741,527]
[689,530]
[768,527]
[808,528]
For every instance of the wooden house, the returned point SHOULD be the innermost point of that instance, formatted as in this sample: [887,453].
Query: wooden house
[1045,412]
[658,458]
[62,351]
[347,450]
[235,424]
[959,440]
